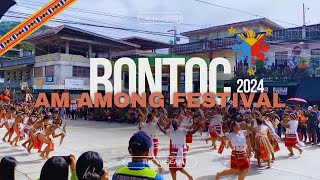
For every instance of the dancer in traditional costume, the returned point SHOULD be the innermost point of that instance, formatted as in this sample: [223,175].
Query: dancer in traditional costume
[274,139]
[8,123]
[187,123]
[38,127]
[150,128]
[178,151]
[291,139]
[17,128]
[263,147]
[26,131]
[239,159]
[215,127]
[7,95]
[44,138]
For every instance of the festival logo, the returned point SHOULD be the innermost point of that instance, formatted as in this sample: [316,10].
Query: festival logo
[251,48]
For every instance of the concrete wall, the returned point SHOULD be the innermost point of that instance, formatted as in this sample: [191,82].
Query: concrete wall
[63,69]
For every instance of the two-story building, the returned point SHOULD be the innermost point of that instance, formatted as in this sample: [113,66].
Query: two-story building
[289,48]
[61,60]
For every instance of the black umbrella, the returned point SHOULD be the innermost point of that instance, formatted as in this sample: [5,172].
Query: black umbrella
[5,5]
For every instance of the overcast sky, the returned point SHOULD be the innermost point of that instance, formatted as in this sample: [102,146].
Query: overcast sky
[195,14]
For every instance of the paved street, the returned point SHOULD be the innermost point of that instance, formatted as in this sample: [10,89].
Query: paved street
[111,141]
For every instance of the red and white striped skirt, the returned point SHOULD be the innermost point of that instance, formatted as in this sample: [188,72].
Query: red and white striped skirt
[172,159]
[239,160]
[217,128]
[290,140]
[155,149]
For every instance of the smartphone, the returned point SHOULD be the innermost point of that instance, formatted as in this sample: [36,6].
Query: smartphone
[67,158]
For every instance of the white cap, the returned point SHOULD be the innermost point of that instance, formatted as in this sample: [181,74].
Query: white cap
[309,108]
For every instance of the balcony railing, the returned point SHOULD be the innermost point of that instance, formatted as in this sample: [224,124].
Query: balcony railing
[285,35]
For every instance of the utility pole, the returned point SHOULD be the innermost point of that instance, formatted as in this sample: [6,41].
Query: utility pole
[304,22]
[304,14]
[174,30]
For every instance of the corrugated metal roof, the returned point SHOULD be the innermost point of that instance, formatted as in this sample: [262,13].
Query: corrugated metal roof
[272,25]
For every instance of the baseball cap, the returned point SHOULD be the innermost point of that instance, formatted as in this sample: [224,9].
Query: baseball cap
[140,142]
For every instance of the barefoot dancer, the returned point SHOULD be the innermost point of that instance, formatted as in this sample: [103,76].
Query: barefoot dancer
[44,137]
[239,160]
[17,127]
[186,123]
[274,138]
[215,127]
[178,151]
[37,129]
[291,139]
[7,95]
[263,146]
[150,128]
[27,130]
[8,122]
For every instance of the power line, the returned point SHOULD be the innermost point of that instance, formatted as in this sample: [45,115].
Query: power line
[125,17]
[94,25]
[245,12]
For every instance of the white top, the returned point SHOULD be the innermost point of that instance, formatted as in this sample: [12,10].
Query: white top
[216,120]
[293,127]
[242,111]
[150,129]
[177,137]
[238,139]
[261,130]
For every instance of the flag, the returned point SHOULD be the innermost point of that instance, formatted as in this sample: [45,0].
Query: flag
[5,5]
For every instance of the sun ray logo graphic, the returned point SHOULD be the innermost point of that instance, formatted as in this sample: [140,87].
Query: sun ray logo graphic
[251,47]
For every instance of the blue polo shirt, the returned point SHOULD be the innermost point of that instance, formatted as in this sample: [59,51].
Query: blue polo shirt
[138,166]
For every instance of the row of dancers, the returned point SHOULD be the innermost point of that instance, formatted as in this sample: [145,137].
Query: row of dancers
[24,122]
[248,134]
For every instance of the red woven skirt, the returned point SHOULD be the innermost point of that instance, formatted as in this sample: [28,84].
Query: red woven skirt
[239,160]
[275,145]
[11,131]
[189,138]
[155,148]
[37,144]
[172,161]
[217,129]
[290,140]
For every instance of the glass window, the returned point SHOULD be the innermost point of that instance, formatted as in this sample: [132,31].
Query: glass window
[281,58]
[79,71]
[49,71]
[38,72]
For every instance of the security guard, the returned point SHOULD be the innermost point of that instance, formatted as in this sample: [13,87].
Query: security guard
[138,169]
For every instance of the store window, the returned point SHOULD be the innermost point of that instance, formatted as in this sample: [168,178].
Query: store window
[38,72]
[79,71]
[49,70]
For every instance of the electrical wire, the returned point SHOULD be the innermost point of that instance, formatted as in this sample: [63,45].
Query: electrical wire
[245,12]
